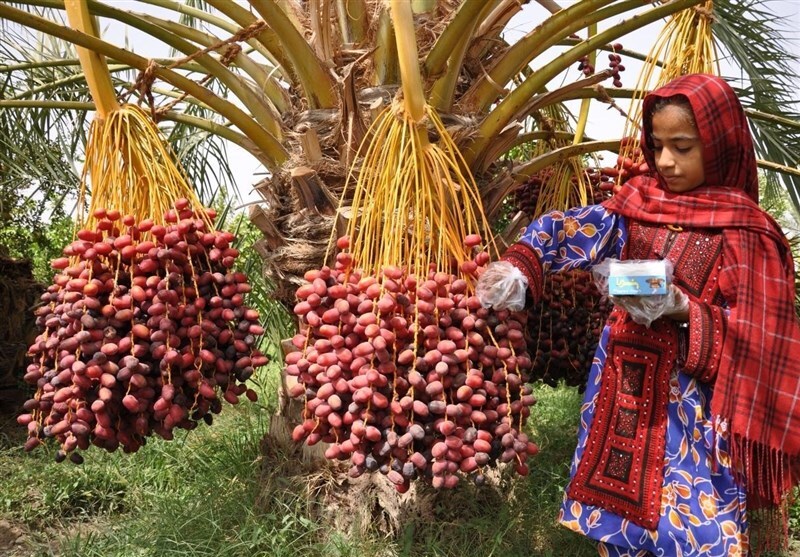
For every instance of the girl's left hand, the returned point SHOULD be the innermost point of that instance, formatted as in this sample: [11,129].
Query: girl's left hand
[678,306]
[646,309]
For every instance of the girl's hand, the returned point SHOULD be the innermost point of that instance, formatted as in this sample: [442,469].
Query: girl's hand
[646,309]
[502,286]
[678,307]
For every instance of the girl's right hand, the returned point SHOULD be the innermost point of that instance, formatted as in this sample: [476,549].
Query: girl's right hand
[502,286]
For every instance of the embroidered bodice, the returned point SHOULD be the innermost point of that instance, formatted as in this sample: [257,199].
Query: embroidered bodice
[696,256]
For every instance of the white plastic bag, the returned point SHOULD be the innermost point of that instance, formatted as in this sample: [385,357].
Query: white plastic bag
[502,286]
[643,309]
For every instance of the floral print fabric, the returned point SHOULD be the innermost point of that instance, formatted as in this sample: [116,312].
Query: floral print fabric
[702,508]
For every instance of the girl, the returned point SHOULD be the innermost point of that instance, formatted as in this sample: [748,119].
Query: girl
[690,428]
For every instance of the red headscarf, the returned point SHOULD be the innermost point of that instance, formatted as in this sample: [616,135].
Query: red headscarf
[757,389]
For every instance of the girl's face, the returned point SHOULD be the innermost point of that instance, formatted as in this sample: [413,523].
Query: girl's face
[678,149]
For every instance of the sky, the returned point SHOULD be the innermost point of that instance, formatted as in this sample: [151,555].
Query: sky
[603,123]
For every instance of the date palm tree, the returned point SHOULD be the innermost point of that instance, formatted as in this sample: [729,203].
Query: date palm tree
[296,84]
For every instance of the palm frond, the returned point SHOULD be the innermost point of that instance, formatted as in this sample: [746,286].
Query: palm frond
[278,323]
[38,183]
[204,158]
[756,40]
[189,19]
[39,147]
[204,155]
[43,132]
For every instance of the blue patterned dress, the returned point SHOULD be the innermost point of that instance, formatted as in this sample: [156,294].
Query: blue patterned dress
[702,510]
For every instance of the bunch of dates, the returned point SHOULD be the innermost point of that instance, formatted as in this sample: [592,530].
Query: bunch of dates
[143,330]
[409,375]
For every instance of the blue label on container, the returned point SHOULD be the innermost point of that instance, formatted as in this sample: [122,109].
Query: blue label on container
[644,285]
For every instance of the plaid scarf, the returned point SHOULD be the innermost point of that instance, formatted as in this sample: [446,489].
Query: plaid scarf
[757,389]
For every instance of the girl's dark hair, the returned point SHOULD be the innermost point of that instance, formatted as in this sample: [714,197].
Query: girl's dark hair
[675,100]
[663,102]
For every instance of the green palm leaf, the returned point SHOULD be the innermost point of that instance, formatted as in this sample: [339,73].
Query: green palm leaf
[755,39]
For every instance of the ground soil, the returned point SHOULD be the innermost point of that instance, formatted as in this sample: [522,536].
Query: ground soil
[11,538]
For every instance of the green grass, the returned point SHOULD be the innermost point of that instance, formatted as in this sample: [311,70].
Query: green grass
[219,491]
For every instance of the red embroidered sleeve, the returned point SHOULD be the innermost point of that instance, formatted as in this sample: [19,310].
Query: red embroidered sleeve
[706,330]
[522,256]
